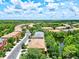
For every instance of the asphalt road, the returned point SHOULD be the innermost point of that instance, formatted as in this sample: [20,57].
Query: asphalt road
[15,51]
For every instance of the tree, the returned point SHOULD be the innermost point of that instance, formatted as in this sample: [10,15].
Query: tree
[52,45]
[70,51]
[68,40]
[33,54]
[2,53]
[24,46]
[11,40]
[8,46]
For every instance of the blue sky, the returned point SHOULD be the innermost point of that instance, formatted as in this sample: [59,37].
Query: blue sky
[39,9]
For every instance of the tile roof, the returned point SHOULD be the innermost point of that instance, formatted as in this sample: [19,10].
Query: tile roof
[13,34]
[37,43]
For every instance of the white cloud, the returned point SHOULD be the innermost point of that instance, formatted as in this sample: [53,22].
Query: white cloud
[16,1]
[31,9]
[71,3]
[28,5]
[75,10]
[12,10]
[1,12]
[36,11]
[52,5]
[62,4]
[39,9]
[49,0]
[1,2]
[9,9]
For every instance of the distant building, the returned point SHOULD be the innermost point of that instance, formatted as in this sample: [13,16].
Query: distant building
[19,28]
[50,29]
[54,30]
[31,25]
[65,26]
[60,28]
[47,28]
[37,41]
[66,30]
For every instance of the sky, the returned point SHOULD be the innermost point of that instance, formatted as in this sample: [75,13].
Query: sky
[39,9]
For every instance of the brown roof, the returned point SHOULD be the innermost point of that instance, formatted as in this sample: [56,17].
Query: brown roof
[37,43]
[13,34]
